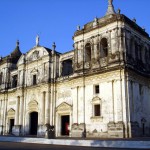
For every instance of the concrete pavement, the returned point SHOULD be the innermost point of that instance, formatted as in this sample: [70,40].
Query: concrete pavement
[108,143]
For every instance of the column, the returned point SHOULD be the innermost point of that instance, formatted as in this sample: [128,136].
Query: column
[84,132]
[0,112]
[121,98]
[43,108]
[4,114]
[51,104]
[111,104]
[55,66]
[70,123]
[60,68]
[47,109]
[113,100]
[21,111]
[109,42]
[17,111]
[76,52]
[77,103]
[2,117]
[126,105]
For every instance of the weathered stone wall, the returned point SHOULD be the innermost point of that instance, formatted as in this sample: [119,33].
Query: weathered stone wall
[137,50]
[79,94]
[139,105]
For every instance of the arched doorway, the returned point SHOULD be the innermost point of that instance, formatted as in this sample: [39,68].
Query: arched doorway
[33,123]
[11,120]
[63,119]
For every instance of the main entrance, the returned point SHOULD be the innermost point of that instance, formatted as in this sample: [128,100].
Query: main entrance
[11,125]
[65,121]
[33,123]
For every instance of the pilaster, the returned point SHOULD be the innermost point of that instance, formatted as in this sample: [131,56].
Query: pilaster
[43,108]
[17,111]
[21,111]
[47,108]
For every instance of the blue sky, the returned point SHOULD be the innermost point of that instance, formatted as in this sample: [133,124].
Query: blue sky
[56,20]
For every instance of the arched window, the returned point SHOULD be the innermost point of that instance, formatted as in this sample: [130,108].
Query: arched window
[96,107]
[143,54]
[97,110]
[140,52]
[136,50]
[132,48]
[14,81]
[34,79]
[67,67]
[88,52]
[146,55]
[103,48]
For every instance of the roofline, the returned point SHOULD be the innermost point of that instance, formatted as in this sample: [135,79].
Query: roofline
[101,22]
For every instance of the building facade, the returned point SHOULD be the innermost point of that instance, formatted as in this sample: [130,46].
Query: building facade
[99,89]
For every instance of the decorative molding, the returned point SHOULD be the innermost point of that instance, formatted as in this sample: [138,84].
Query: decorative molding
[64,107]
[12,102]
[64,94]
[97,119]
[11,112]
[34,71]
[96,100]
[33,104]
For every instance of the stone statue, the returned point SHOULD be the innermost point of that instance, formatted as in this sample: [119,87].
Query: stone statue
[78,27]
[54,46]
[37,40]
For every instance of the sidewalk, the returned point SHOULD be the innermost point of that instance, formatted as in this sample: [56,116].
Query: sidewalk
[143,143]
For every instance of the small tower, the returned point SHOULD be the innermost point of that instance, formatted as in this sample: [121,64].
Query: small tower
[16,51]
[110,9]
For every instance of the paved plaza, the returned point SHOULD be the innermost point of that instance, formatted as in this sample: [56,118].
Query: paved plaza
[141,143]
[29,146]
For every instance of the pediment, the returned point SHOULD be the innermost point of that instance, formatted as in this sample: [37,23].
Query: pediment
[11,112]
[34,71]
[33,104]
[96,100]
[36,53]
[64,107]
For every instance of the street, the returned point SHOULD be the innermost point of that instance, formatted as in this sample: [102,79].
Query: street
[29,146]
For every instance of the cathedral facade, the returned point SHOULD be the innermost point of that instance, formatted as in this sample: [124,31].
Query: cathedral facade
[99,89]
